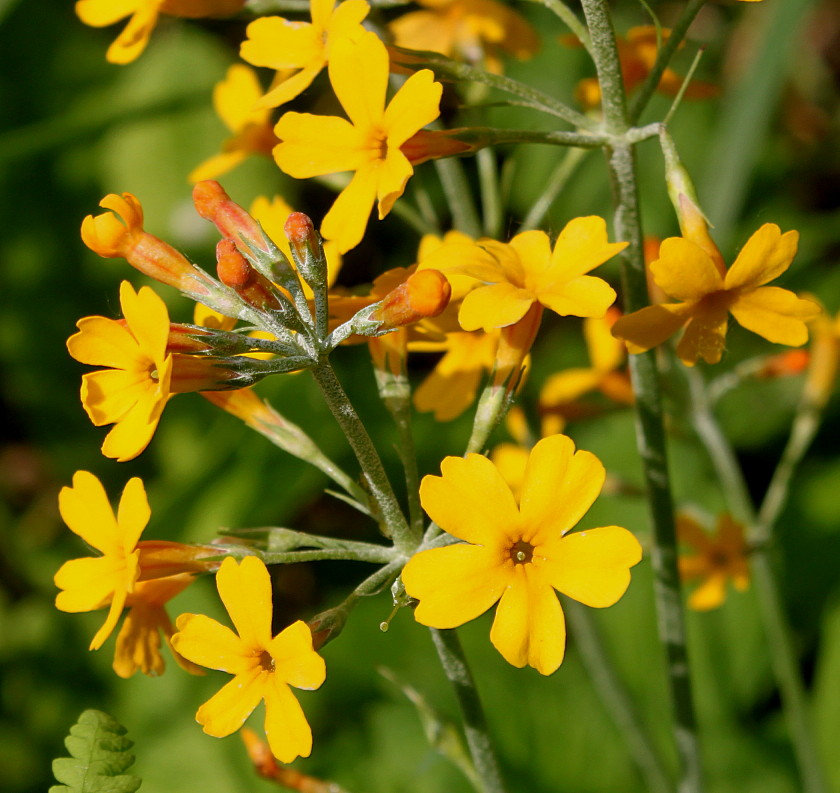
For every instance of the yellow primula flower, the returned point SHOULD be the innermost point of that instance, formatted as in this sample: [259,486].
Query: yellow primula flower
[95,582]
[144,16]
[299,50]
[526,272]
[234,100]
[264,667]
[690,273]
[718,557]
[472,30]
[519,554]
[133,391]
[368,144]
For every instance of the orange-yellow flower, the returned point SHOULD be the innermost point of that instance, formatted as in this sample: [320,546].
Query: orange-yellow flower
[144,16]
[234,100]
[718,557]
[264,667]
[368,144]
[95,582]
[133,391]
[520,554]
[299,50]
[690,273]
[473,30]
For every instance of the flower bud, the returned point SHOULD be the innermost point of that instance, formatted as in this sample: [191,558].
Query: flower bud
[515,343]
[233,222]
[236,272]
[424,294]
[162,558]
[119,234]
[307,250]
[434,144]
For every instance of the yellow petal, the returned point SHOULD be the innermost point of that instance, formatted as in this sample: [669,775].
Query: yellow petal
[294,85]
[147,318]
[133,432]
[133,513]
[529,627]
[584,296]
[777,315]
[392,175]
[117,603]
[565,387]
[317,145]
[108,394]
[511,459]
[766,255]
[704,337]
[88,584]
[217,165]
[278,43]
[593,566]
[605,351]
[494,306]
[100,13]
[692,533]
[85,509]
[710,594]
[685,271]
[209,643]
[415,105]
[295,662]
[582,246]
[245,589]
[533,250]
[286,728]
[135,36]
[560,485]
[454,584]
[138,644]
[103,342]
[652,325]
[359,75]
[470,500]
[235,96]
[345,20]
[226,711]
[347,219]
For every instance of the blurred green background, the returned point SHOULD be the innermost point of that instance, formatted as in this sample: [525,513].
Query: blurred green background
[74,128]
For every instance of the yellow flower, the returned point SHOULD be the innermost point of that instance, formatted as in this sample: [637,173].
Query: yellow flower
[144,15]
[526,272]
[133,391]
[718,557]
[368,144]
[474,30]
[95,582]
[138,642]
[298,50]
[519,554]
[234,100]
[709,292]
[263,667]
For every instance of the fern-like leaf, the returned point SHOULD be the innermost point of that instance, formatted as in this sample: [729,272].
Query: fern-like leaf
[99,757]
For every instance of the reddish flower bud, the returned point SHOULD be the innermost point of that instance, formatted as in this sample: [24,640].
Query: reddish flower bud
[235,271]
[232,221]
[161,558]
[119,234]
[432,145]
[425,294]
[300,230]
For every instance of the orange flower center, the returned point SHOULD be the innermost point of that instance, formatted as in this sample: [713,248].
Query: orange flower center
[521,552]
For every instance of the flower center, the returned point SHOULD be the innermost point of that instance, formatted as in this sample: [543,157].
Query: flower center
[521,552]
[266,661]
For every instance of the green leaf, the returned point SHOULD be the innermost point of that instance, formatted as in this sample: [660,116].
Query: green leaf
[99,757]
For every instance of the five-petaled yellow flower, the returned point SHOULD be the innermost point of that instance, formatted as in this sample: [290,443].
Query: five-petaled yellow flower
[133,391]
[263,667]
[718,557]
[95,582]
[144,16]
[520,554]
[297,50]
[709,292]
[369,144]
[526,272]
[234,100]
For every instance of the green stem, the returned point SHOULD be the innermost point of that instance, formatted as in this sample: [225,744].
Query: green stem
[570,18]
[650,431]
[458,673]
[459,197]
[492,406]
[616,698]
[488,179]
[556,182]
[663,58]
[780,641]
[395,524]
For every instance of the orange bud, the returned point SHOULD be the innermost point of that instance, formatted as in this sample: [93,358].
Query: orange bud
[119,234]
[162,558]
[424,294]
[300,230]
[695,228]
[185,339]
[235,271]
[233,222]
[431,145]
[785,364]
[515,343]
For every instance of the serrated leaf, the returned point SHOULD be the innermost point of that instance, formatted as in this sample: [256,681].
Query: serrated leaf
[99,757]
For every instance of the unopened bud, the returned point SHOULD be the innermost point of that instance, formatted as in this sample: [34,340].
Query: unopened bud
[425,294]
[515,343]
[434,144]
[119,233]
[233,222]
[162,558]
[307,250]
[236,272]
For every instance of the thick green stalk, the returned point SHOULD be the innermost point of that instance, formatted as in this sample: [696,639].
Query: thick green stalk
[780,641]
[556,182]
[377,480]
[459,197]
[650,432]
[458,673]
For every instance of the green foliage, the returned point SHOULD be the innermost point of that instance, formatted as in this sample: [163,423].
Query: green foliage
[99,757]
